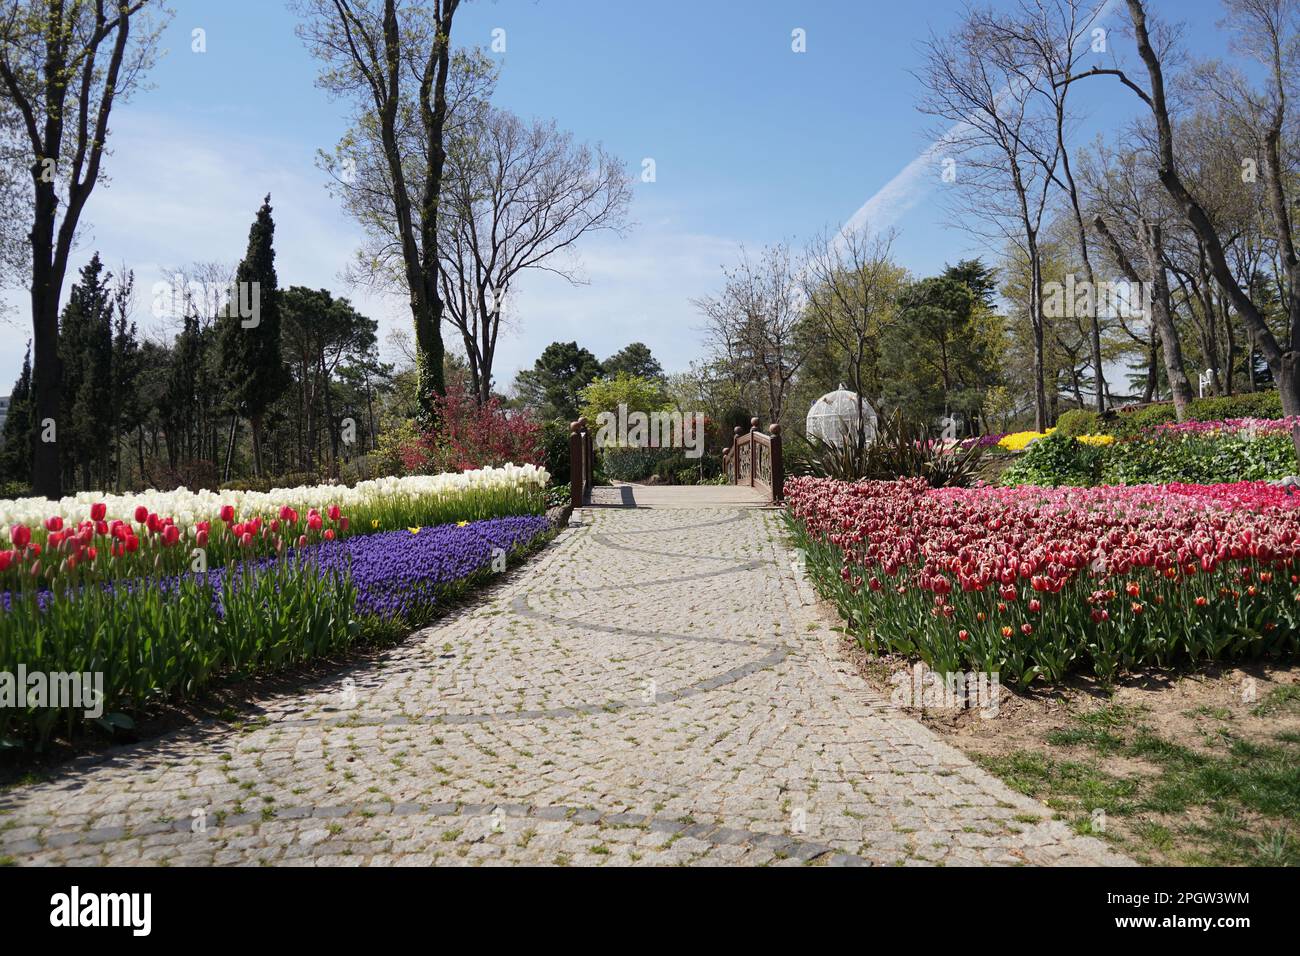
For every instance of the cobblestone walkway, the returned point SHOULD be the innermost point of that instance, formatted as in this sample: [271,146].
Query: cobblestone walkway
[653,688]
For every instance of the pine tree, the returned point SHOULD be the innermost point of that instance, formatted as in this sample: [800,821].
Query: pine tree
[86,353]
[16,451]
[248,346]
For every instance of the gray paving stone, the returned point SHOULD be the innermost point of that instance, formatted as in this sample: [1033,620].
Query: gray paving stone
[656,688]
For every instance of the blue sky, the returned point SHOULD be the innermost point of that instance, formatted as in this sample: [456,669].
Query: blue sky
[752,144]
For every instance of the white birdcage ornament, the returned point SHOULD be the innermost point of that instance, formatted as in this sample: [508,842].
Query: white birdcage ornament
[834,417]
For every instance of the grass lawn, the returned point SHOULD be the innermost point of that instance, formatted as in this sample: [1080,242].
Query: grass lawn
[1187,769]
[1225,800]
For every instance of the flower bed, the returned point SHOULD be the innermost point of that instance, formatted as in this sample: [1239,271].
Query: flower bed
[170,635]
[1201,452]
[129,535]
[1034,583]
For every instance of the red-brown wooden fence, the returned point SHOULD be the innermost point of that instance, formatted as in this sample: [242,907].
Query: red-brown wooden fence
[754,459]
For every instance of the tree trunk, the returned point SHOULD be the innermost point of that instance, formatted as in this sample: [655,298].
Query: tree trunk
[1173,350]
[1041,414]
[47,377]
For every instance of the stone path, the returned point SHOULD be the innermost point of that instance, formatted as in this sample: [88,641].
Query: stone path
[654,688]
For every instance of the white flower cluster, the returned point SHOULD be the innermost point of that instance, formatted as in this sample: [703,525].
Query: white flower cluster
[187,507]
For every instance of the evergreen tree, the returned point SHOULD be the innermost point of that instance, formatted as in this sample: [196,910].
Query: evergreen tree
[125,408]
[19,435]
[982,280]
[85,428]
[552,385]
[248,345]
[636,359]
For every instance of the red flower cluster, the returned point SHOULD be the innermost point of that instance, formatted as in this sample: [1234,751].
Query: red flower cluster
[151,534]
[989,560]
[471,436]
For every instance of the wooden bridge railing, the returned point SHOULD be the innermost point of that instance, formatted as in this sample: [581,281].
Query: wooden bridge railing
[754,459]
[582,462]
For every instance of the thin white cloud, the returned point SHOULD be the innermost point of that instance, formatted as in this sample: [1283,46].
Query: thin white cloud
[915,181]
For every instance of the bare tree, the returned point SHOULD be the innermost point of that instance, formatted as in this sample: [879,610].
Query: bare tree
[1004,153]
[754,324]
[518,196]
[63,64]
[1041,44]
[1130,219]
[850,285]
[1268,29]
[392,58]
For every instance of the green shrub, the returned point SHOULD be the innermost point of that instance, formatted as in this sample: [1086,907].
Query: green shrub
[681,470]
[1199,459]
[1249,405]
[1216,408]
[1080,421]
[555,448]
[1133,422]
[631,464]
[1058,460]
[15,489]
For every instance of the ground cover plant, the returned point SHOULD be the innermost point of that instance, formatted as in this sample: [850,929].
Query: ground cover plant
[1034,583]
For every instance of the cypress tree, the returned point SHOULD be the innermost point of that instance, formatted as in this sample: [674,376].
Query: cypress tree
[19,434]
[248,346]
[86,354]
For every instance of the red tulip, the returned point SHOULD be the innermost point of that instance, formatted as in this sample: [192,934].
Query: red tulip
[54,523]
[20,535]
[6,559]
[334,513]
[314,522]
[171,534]
[98,511]
[329,534]
[141,514]
[92,553]
[201,539]
[287,515]
[227,513]
[302,541]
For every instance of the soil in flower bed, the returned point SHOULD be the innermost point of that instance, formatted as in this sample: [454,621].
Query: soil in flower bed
[235,700]
[1187,768]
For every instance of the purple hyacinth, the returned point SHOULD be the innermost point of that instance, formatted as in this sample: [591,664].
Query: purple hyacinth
[395,573]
